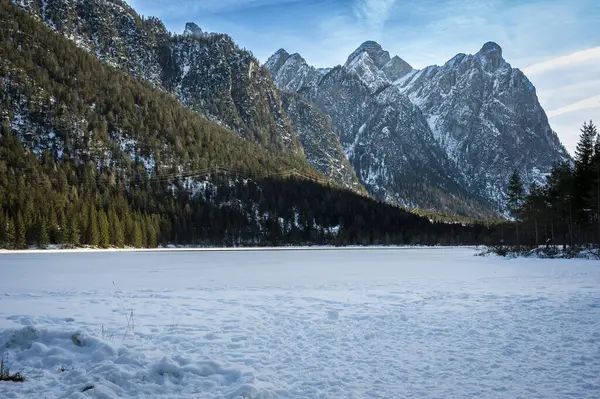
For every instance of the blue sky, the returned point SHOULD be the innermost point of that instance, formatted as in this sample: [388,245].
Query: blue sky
[556,42]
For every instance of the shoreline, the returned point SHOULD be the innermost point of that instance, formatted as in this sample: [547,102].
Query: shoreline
[221,249]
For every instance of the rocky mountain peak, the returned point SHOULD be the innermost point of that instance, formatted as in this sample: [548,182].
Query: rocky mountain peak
[191,29]
[276,61]
[378,55]
[491,55]
[281,53]
[396,68]
[290,71]
[491,49]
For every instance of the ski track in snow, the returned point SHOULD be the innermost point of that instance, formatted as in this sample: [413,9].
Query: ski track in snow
[300,324]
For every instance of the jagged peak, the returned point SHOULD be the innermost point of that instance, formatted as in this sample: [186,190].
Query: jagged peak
[297,57]
[281,53]
[396,68]
[275,61]
[491,49]
[374,50]
[191,29]
[491,56]
[282,57]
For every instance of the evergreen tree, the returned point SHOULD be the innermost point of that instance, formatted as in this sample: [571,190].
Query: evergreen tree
[63,228]
[119,234]
[83,219]
[10,234]
[104,231]
[112,225]
[74,234]
[584,151]
[137,235]
[129,231]
[42,231]
[93,233]
[52,225]
[516,197]
[21,232]
[593,200]
[516,194]
[584,175]
[151,236]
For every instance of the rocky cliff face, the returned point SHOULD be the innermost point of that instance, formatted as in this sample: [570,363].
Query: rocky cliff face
[458,129]
[320,141]
[384,135]
[291,73]
[487,118]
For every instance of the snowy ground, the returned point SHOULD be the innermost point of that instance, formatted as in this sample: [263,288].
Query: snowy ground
[426,323]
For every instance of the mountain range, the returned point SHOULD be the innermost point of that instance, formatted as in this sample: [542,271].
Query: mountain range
[462,127]
[443,138]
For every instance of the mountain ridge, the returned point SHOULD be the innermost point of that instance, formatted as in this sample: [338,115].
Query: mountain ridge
[382,134]
[482,148]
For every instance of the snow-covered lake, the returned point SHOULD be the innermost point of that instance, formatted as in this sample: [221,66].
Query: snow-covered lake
[426,323]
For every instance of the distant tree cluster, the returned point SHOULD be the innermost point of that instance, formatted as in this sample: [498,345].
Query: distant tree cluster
[564,211]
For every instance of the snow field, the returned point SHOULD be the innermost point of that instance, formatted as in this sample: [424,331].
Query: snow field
[427,323]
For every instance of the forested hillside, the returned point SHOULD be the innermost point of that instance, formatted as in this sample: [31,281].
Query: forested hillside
[207,73]
[92,156]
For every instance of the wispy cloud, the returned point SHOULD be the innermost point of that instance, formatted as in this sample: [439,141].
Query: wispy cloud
[568,87]
[588,103]
[374,13]
[566,61]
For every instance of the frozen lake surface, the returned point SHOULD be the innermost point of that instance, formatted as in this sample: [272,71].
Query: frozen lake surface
[423,323]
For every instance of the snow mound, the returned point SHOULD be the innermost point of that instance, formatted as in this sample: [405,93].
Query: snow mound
[76,364]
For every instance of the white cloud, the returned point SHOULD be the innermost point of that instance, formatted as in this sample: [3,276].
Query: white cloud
[374,13]
[588,103]
[568,87]
[566,61]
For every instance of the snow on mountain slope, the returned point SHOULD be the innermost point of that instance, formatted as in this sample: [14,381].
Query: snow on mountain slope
[384,135]
[483,116]
[320,141]
[486,116]
[375,67]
